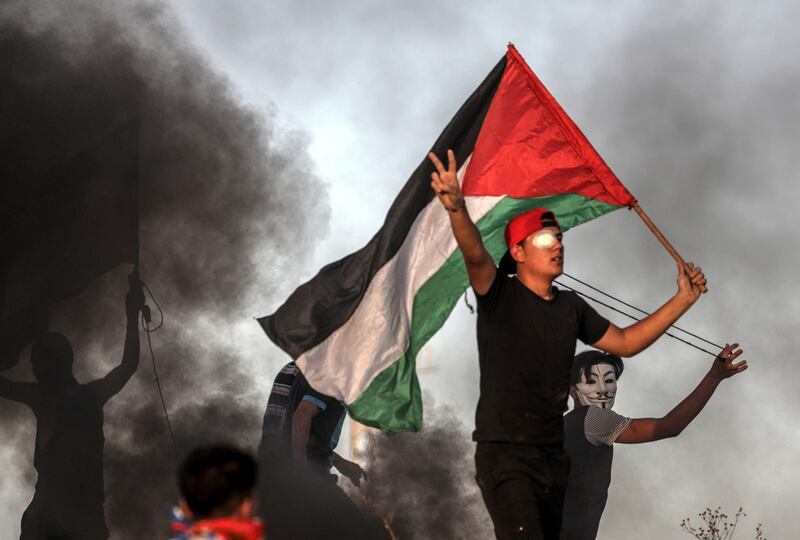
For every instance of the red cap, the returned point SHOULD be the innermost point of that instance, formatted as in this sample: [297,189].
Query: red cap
[522,226]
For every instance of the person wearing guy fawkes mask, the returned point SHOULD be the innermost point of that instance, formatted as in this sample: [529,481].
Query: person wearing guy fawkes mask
[591,428]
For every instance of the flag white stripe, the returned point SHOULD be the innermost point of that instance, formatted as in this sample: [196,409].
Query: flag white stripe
[377,334]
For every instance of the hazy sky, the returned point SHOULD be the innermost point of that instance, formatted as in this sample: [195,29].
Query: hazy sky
[693,105]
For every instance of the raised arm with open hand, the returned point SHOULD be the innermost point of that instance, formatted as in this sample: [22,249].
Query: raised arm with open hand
[642,430]
[724,365]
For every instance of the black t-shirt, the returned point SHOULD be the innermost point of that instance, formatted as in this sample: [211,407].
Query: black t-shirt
[525,346]
[589,478]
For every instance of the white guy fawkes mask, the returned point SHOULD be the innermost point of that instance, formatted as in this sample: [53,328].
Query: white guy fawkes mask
[599,390]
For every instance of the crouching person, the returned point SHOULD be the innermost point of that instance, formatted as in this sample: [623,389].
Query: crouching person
[216,485]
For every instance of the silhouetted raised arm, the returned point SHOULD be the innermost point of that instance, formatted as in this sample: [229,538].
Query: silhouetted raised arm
[23,392]
[17,332]
[116,379]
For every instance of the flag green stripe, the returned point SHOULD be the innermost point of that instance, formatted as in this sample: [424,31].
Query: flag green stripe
[393,400]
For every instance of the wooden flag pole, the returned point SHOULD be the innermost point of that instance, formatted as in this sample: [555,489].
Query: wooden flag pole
[663,239]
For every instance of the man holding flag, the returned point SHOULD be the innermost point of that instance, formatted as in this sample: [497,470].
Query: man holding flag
[527,332]
[355,329]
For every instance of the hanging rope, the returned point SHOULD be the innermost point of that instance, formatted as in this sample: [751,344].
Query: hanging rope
[146,311]
[627,314]
[636,318]
[146,318]
[637,309]
[466,301]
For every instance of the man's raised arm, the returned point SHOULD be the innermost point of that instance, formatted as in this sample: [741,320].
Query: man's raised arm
[480,266]
[116,379]
[637,337]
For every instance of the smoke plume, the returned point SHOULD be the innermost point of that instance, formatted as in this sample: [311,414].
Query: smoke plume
[424,484]
[225,201]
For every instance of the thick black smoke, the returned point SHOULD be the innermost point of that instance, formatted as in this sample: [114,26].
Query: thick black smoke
[424,483]
[225,202]
[140,475]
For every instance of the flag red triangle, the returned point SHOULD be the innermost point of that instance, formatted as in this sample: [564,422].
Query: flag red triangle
[529,147]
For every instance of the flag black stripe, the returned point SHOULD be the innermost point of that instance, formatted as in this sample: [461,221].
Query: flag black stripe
[318,307]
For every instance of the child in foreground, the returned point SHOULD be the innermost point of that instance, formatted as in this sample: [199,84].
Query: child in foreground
[216,485]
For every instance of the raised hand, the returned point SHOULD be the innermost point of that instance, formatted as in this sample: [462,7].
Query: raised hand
[690,281]
[724,365]
[134,300]
[445,182]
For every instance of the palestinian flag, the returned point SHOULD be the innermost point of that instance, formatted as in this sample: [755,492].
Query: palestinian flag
[355,329]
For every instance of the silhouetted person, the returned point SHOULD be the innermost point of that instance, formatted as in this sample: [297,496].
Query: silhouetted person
[299,494]
[216,485]
[68,503]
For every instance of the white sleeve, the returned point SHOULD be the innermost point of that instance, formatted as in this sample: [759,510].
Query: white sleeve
[603,426]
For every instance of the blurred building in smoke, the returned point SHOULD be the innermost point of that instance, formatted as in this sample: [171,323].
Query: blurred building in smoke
[362,438]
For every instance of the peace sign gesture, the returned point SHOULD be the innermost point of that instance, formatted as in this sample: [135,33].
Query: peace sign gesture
[445,183]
